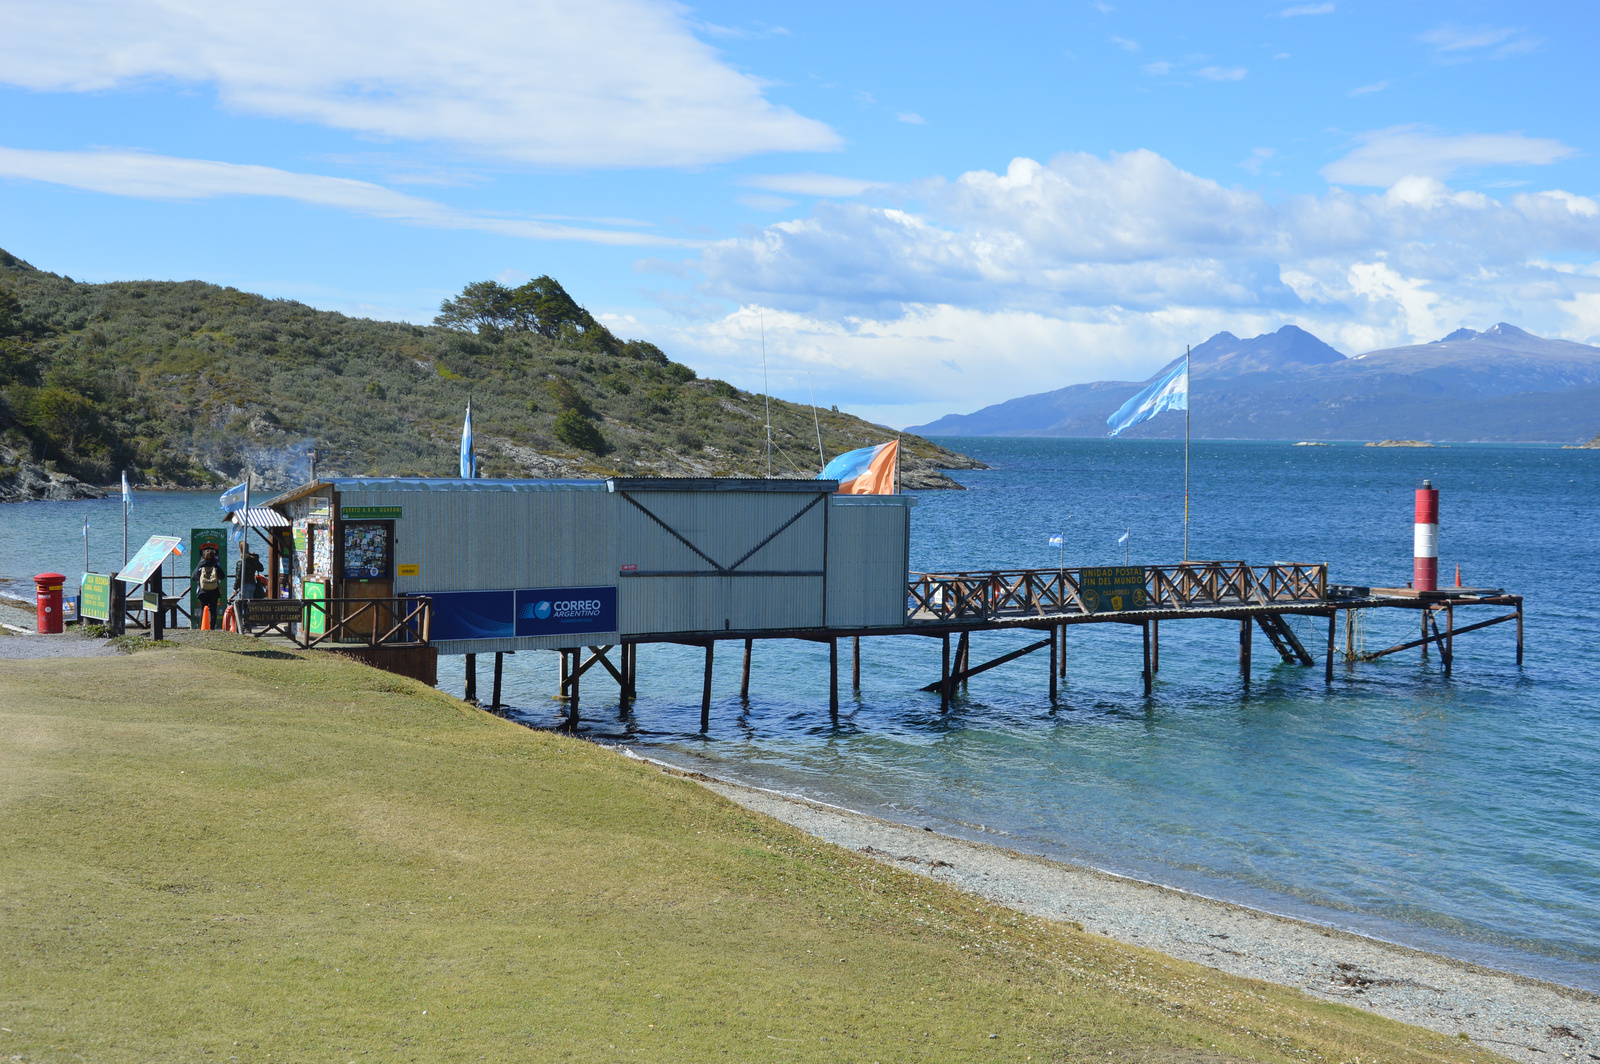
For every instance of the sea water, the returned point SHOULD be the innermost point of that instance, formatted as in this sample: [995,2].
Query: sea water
[1459,814]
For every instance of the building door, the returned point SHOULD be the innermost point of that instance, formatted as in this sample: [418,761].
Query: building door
[366,570]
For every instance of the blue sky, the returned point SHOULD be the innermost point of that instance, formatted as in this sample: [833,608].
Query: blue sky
[925,210]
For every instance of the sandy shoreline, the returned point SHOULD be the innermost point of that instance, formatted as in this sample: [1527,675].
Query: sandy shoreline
[1517,1017]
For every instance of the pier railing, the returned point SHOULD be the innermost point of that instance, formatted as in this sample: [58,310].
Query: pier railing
[1045,592]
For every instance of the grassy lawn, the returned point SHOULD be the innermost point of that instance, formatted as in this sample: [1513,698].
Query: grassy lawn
[222,852]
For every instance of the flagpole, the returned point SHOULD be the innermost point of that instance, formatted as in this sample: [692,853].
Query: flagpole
[1187,402]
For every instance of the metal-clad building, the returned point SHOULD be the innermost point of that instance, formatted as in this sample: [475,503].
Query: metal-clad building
[530,564]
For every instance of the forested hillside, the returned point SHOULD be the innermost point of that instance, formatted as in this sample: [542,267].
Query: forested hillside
[189,384]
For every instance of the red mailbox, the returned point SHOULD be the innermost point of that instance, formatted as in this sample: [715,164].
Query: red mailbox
[47,588]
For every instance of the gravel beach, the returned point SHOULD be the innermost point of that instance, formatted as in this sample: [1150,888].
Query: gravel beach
[1520,1018]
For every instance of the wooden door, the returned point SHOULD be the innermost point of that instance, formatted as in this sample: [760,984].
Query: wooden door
[366,566]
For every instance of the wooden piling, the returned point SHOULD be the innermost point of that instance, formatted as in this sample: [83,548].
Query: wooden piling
[1426,613]
[1055,631]
[705,690]
[472,679]
[1245,626]
[963,656]
[1449,646]
[572,705]
[1155,646]
[1061,666]
[833,679]
[744,675]
[1149,678]
[1519,633]
[494,700]
[1327,665]
[855,664]
[944,677]
[566,670]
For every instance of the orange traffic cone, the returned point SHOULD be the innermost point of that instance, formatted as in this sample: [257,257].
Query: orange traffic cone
[205,620]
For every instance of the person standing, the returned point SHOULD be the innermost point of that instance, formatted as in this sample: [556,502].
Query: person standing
[208,579]
[246,585]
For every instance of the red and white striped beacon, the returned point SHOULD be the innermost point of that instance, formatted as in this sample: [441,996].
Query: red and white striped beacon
[1425,551]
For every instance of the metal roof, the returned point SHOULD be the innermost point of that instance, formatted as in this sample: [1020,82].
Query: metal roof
[820,487]
[260,517]
[433,484]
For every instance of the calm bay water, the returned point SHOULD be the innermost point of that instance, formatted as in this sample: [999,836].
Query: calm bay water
[1459,814]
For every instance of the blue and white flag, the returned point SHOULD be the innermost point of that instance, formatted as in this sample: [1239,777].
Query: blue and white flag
[469,460]
[1123,539]
[1057,541]
[1169,391]
[233,499]
[127,494]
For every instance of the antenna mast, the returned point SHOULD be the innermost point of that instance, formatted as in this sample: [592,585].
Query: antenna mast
[815,420]
[766,388]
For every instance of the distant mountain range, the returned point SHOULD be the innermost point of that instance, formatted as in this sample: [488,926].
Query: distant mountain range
[1502,384]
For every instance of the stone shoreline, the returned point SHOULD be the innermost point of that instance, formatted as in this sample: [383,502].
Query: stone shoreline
[1520,1018]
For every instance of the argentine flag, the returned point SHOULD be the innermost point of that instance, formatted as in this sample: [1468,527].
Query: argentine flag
[469,460]
[1169,391]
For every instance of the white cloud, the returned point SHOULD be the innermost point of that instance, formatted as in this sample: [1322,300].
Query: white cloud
[1157,69]
[1086,268]
[1258,158]
[1125,44]
[1222,73]
[1367,90]
[761,201]
[1452,39]
[911,118]
[145,176]
[810,184]
[603,83]
[1306,9]
[1386,155]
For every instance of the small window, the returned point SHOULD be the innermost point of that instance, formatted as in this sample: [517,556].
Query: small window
[368,550]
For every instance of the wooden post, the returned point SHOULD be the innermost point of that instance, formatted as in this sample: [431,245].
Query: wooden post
[705,690]
[944,677]
[572,707]
[855,663]
[833,679]
[117,623]
[1425,613]
[157,618]
[1349,636]
[963,653]
[1062,669]
[1327,666]
[1155,646]
[1519,632]
[744,677]
[494,701]
[1244,647]
[1054,635]
[561,690]
[1449,636]
[1149,679]
[472,679]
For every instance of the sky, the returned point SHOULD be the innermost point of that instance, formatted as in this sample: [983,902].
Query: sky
[907,211]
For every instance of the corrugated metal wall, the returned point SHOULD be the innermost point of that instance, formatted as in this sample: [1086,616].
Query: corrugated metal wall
[674,589]
[868,543]
[479,540]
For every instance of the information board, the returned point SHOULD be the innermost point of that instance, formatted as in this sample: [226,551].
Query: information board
[143,565]
[1113,588]
[95,592]
[256,613]
[367,550]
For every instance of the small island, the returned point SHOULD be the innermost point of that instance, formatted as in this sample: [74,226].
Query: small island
[1400,443]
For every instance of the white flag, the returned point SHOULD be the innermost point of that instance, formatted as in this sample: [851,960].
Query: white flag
[1122,539]
[127,492]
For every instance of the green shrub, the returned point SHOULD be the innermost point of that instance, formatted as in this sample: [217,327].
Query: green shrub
[575,430]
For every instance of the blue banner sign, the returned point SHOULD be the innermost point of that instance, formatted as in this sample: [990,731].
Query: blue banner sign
[566,610]
[522,612]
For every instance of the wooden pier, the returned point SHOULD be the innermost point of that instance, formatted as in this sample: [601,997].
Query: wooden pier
[952,606]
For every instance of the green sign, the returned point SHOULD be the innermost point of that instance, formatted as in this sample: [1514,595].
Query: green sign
[370,513]
[1112,589]
[200,538]
[96,591]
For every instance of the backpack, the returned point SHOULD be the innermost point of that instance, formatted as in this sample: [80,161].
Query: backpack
[210,578]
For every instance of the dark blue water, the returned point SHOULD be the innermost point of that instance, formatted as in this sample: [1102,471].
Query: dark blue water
[1459,814]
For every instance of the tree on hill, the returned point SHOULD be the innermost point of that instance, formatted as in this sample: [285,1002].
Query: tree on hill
[540,306]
